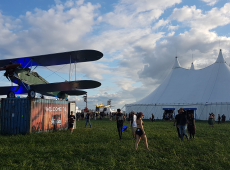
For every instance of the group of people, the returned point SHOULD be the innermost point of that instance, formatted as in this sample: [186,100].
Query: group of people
[168,116]
[81,115]
[136,124]
[211,119]
[72,118]
[221,118]
[184,121]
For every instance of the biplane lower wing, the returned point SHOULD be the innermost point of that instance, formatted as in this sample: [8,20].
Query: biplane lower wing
[16,89]
[70,88]
[65,86]
[74,92]
[70,93]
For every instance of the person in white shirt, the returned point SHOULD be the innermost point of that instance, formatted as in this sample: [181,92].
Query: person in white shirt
[134,124]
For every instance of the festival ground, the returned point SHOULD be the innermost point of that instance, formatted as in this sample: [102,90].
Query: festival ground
[99,148]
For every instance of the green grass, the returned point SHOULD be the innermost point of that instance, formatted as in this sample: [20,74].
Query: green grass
[99,148]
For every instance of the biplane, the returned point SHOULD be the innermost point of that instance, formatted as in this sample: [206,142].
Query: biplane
[19,71]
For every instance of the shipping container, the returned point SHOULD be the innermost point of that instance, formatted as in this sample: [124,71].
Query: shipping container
[22,115]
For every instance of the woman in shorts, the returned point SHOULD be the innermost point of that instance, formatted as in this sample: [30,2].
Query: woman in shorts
[140,133]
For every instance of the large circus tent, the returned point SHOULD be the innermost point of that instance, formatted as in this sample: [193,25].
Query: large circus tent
[203,91]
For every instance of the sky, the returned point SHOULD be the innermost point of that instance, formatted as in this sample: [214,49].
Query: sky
[139,40]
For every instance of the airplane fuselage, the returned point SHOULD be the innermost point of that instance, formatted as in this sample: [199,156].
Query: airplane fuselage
[24,78]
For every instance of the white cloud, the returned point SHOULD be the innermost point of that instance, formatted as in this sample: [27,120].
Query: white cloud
[210,2]
[160,23]
[140,13]
[145,5]
[206,21]
[186,13]
[172,28]
[171,33]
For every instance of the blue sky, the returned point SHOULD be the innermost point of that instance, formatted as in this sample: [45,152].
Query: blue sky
[139,40]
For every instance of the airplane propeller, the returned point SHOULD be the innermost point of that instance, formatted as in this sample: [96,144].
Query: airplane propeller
[10,66]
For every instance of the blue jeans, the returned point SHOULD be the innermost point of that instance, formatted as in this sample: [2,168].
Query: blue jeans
[182,129]
[87,120]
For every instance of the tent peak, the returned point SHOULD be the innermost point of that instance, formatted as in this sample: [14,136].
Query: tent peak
[192,67]
[176,63]
[220,58]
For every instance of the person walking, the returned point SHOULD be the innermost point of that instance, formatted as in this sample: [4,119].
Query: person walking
[134,125]
[177,120]
[191,125]
[71,120]
[82,115]
[131,118]
[152,119]
[87,117]
[78,116]
[219,118]
[111,116]
[182,124]
[210,120]
[120,118]
[214,118]
[140,133]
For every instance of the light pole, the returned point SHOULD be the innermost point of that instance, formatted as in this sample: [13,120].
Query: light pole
[85,99]
[109,102]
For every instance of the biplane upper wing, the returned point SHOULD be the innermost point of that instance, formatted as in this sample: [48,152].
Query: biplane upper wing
[66,86]
[56,58]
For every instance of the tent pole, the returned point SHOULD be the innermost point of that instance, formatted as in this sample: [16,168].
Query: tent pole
[69,68]
[75,70]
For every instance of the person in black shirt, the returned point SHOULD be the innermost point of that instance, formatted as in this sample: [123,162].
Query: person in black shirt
[71,120]
[219,119]
[82,115]
[182,124]
[87,117]
[223,118]
[131,117]
[78,115]
[177,119]
[152,118]
[120,118]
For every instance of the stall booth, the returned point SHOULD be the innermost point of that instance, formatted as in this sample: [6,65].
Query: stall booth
[168,113]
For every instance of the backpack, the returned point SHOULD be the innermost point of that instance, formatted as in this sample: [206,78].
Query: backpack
[120,117]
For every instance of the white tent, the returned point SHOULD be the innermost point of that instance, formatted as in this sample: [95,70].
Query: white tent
[206,90]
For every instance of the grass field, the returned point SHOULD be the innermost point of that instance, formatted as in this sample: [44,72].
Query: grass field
[99,148]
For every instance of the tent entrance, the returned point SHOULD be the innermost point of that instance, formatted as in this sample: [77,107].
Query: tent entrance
[168,113]
[191,111]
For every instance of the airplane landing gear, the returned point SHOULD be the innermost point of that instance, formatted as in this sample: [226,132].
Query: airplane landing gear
[31,94]
[11,94]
